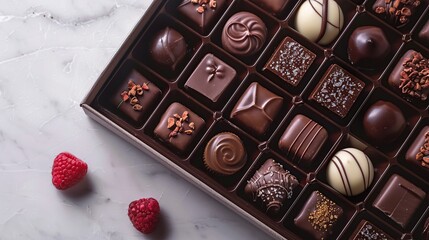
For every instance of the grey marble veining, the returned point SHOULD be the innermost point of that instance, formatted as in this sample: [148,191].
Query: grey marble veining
[51,53]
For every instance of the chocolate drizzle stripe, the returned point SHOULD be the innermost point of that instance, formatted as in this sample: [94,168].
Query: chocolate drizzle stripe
[302,142]
[311,142]
[365,181]
[324,20]
[370,173]
[324,16]
[341,175]
[298,136]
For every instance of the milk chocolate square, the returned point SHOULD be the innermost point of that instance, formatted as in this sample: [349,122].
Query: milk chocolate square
[399,199]
[133,107]
[202,13]
[178,127]
[319,216]
[290,61]
[256,109]
[338,90]
[302,140]
[211,78]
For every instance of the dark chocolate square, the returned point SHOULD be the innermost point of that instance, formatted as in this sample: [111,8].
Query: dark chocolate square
[368,231]
[256,109]
[211,78]
[302,140]
[319,216]
[124,109]
[176,130]
[290,61]
[424,34]
[274,7]
[417,153]
[399,199]
[338,90]
[202,15]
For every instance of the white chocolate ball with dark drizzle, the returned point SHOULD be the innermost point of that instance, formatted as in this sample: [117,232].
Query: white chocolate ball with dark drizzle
[244,34]
[321,21]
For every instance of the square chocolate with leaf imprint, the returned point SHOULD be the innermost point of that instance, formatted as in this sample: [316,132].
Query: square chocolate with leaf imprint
[211,78]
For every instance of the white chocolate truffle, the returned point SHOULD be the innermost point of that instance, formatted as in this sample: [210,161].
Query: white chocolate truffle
[350,172]
[321,21]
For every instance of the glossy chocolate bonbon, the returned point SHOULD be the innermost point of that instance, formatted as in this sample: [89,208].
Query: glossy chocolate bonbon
[292,79]
[368,46]
[168,48]
[383,123]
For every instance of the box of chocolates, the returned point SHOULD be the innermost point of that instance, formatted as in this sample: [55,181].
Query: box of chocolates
[309,118]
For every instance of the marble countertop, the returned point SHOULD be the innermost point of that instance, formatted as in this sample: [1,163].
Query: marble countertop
[51,53]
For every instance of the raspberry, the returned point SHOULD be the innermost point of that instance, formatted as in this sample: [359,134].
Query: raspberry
[143,214]
[67,170]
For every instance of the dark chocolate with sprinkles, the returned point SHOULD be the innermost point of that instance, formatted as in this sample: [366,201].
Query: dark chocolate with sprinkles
[338,90]
[290,61]
[367,231]
[272,185]
[319,216]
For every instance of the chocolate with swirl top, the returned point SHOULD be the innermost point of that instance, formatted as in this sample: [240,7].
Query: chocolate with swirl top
[244,34]
[272,185]
[225,154]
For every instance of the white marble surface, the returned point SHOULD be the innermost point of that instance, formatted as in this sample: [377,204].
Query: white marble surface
[51,52]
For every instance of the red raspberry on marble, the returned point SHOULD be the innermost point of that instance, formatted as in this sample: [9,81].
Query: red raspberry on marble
[144,214]
[67,170]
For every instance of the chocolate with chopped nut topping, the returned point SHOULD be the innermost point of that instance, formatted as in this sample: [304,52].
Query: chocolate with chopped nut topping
[397,12]
[418,153]
[133,98]
[201,13]
[410,77]
[178,127]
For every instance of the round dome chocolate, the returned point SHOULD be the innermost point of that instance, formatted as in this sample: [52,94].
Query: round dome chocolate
[168,48]
[368,46]
[225,154]
[383,123]
[321,21]
[350,172]
[244,34]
